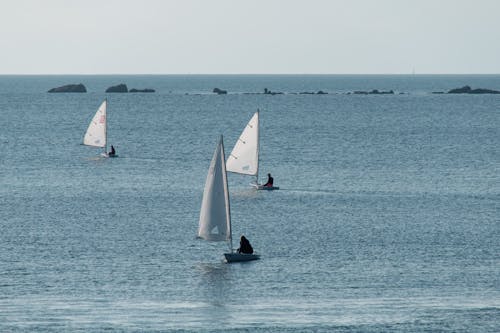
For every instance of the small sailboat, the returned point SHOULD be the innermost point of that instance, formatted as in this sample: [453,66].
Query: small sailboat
[96,135]
[215,213]
[244,158]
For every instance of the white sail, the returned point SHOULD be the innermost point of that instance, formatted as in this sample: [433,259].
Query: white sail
[96,133]
[244,157]
[215,218]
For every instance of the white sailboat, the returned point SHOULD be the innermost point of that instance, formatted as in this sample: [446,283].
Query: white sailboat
[215,213]
[244,158]
[96,135]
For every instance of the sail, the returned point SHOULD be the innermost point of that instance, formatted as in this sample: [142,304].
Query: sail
[215,219]
[244,157]
[96,133]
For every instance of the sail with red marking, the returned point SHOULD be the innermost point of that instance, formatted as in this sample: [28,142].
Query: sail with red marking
[96,132]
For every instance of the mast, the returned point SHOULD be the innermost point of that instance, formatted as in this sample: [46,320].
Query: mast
[258,146]
[106,127]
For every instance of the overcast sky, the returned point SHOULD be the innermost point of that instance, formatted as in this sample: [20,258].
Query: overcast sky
[251,36]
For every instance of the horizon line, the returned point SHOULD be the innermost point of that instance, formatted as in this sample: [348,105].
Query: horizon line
[235,74]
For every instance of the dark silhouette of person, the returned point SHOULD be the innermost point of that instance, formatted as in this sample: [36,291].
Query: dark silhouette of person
[112,152]
[245,246]
[270,180]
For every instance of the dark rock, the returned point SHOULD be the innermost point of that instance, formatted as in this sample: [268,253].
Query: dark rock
[469,90]
[374,92]
[321,92]
[463,90]
[438,92]
[219,91]
[269,92]
[71,88]
[147,90]
[484,91]
[121,88]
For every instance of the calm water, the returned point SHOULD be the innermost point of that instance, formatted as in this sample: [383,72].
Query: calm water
[388,217]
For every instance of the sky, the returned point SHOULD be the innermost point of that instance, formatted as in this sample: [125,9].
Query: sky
[249,37]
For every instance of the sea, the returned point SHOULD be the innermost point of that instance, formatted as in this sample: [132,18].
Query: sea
[387,218]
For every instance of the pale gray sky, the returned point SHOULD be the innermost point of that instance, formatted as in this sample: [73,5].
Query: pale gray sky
[252,36]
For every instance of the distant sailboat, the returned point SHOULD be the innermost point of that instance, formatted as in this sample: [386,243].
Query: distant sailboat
[244,158]
[215,213]
[96,135]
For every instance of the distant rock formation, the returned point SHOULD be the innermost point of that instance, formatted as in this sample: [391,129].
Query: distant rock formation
[321,92]
[469,90]
[269,92]
[121,88]
[373,92]
[219,91]
[69,88]
[147,90]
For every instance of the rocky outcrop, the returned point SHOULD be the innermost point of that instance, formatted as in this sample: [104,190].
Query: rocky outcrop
[320,92]
[219,91]
[373,92]
[469,90]
[69,88]
[121,88]
[147,90]
[269,92]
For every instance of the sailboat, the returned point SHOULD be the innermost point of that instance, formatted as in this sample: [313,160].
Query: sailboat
[96,135]
[244,158]
[215,213]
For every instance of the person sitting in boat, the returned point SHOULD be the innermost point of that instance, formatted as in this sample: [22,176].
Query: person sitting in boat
[270,181]
[112,152]
[245,246]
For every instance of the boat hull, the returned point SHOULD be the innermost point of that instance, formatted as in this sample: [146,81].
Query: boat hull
[240,257]
[108,155]
[260,187]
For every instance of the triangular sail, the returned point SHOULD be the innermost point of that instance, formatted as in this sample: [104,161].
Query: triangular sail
[244,157]
[215,219]
[96,133]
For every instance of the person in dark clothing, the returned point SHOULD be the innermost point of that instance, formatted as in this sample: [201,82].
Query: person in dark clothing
[270,180]
[112,152]
[245,246]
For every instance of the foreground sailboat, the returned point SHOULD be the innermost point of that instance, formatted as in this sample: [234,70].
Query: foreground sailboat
[96,135]
[244,158]
[215,213]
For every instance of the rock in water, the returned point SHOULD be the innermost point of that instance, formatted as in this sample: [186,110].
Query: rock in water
[463,90]
[219,91]
[147,90]
[121,88]
[469,90]
[71,88]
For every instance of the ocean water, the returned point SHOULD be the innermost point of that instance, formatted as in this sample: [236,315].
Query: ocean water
[387,218]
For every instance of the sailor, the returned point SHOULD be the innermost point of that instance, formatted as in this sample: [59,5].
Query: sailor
[245,246]
[112,152]
[270,181]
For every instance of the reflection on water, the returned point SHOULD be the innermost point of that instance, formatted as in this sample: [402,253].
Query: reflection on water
[215,283]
